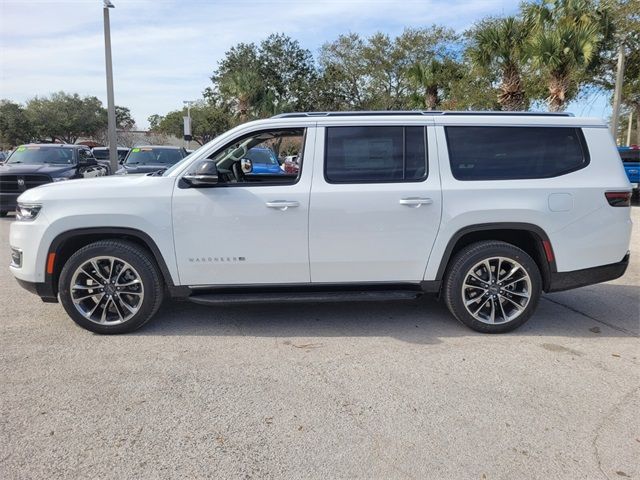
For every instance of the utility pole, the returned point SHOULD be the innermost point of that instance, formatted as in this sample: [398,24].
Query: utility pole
[111,107]
[629,128]
[617,95]
[187,122]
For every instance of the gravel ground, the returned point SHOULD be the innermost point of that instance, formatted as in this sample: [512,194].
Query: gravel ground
[396,390]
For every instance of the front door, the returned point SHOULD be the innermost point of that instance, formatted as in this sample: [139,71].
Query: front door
[251,228]
[375,203]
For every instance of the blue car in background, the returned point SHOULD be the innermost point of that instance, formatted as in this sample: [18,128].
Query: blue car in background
[263,161]
[631,160]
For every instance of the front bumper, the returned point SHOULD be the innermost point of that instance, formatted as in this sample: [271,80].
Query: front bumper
[9,201]
[560,281]
[43,290]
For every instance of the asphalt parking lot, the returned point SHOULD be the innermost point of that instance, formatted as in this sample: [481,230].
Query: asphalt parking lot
[397,390]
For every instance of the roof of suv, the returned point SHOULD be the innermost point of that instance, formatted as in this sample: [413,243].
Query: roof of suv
[53,145]
[376,113]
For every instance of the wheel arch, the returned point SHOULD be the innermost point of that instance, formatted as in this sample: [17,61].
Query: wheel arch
[529,237]
[67,243]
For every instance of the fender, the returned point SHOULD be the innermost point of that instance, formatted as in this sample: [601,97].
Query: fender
[105,232]
[481,227]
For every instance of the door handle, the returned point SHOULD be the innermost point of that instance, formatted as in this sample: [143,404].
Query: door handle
[282,204]
[415,202]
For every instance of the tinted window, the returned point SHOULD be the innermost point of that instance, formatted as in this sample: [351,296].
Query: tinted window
[630,156]
[375,154]
[501,153]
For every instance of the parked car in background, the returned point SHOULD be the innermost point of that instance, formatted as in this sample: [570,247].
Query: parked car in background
[291,164]
[261,161]
[32,165]
[150,158]
[102,156]
[631,160]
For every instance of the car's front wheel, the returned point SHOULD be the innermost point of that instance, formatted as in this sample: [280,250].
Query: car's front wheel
[492,286]
[111,286]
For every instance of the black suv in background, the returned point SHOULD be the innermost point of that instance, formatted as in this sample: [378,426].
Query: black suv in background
[151,158]
[32,165]
[102,156]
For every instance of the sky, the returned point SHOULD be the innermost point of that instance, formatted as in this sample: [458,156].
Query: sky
[164,51]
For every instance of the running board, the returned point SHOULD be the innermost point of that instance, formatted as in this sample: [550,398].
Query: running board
[304,297]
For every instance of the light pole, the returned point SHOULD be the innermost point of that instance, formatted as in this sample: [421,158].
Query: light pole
[111,107]
[187,121]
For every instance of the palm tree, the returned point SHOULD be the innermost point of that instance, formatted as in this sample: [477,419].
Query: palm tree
[246,87]
[563,44]
[497,48]
[433,79]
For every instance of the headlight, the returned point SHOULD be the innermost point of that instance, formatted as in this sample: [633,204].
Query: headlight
[27,212]
[60,179]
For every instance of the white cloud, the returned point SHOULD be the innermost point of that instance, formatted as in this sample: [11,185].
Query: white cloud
[165,51]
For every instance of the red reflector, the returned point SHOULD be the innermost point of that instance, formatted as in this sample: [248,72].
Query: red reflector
[50,262]
[548,251]
[618,199]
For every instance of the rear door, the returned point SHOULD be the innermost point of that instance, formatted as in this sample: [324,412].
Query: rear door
[375,202]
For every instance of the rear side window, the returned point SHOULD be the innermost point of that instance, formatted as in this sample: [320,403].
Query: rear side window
[509,153]
[375,154]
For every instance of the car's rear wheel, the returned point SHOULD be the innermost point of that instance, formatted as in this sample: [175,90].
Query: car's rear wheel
[111,286]
[492,287]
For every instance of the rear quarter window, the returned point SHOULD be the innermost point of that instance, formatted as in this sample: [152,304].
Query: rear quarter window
[511,153]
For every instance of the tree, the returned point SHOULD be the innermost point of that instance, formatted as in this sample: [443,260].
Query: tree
[65,117]
[124,120]
[433,80]
[154,122]
[207,122]
[565,44]
[15,127]
[239,81]
[496,48]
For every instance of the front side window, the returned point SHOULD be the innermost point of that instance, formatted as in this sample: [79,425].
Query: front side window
[259,158]
[510,153]
[375,154]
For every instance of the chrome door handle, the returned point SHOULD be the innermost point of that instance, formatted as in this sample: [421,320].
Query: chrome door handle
[282,204]
[415,201]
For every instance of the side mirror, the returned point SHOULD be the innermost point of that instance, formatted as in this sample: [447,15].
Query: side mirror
[246,165]
[205,175]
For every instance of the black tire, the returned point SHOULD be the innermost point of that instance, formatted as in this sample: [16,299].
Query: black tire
[3,213]
[128,252]
[459,269]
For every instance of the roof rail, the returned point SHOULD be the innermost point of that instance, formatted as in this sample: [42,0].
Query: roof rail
[382,113]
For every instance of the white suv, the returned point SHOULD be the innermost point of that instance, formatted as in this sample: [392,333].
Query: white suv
[487,210]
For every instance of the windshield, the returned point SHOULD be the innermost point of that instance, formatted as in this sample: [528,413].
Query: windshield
[153,156]
[40,155]
[184,160]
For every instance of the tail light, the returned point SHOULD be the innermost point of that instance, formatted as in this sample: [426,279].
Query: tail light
[618,199]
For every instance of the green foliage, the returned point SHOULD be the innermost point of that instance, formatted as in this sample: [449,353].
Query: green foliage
[433,81]
[65,117]
[565,44]
[496,49]
[207,122]
[15,127]
[124,120]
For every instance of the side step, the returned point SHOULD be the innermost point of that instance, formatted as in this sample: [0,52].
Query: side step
[303,297]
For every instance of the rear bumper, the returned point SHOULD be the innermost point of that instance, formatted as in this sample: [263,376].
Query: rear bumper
[560,281]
